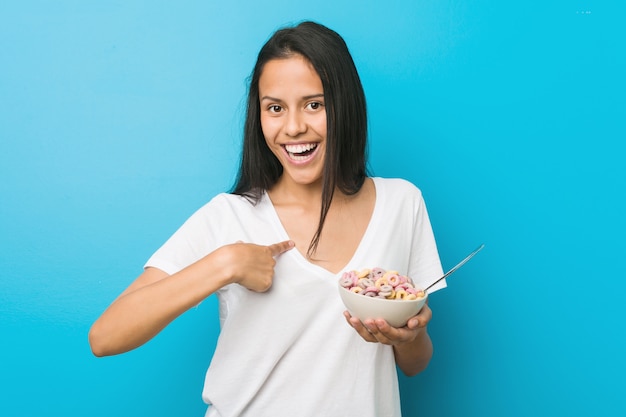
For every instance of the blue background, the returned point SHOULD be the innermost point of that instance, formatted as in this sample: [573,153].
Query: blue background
[118,119]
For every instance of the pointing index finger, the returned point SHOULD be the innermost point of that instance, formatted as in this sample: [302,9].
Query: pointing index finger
[281,247]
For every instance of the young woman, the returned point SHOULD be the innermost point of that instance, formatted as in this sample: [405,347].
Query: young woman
[303,210]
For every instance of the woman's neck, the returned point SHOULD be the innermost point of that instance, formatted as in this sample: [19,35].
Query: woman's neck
[289,192]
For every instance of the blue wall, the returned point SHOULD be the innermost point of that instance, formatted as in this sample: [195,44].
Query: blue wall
[119,119]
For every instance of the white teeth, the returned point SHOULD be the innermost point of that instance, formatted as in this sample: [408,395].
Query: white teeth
[300,147]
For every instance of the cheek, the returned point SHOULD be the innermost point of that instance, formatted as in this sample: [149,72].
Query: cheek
[269,127]
[269,134]
[320,124]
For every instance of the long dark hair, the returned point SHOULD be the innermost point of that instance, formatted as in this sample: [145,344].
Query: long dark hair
[346,117]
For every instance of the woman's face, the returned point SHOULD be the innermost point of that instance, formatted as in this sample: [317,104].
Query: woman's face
[293,117]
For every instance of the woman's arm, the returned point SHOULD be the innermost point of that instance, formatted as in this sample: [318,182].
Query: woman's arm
[412,356]
[155,298]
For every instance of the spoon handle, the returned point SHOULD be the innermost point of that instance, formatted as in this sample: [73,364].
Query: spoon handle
[457,266]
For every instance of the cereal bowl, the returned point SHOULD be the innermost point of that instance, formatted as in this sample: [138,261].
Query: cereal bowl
[395,312]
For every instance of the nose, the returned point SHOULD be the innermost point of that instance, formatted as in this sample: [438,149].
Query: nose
[295,124]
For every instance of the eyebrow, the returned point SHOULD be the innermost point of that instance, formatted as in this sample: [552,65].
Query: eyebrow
[305,97]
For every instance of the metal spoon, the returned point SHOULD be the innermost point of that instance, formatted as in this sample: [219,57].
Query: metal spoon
[457,266]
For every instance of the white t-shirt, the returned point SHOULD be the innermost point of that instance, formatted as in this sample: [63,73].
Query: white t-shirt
[289,351]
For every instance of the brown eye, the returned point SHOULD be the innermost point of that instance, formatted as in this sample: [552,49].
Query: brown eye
[316,105]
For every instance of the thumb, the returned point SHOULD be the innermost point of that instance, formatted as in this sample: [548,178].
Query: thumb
[278,248]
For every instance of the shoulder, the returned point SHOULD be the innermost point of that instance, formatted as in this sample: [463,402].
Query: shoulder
[218,209]
[397,187]
[226,201]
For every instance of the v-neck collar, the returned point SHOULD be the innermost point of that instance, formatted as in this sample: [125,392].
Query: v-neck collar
[357,260]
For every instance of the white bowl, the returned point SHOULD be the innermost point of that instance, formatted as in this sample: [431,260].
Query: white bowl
[395,312]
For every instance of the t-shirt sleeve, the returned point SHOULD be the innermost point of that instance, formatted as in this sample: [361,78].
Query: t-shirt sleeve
[191,242]
[425,265]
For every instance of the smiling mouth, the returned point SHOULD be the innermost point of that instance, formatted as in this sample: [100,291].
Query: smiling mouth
[300,151]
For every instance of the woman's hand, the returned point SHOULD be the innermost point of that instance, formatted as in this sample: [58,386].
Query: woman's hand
[379,331]
[250,265]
